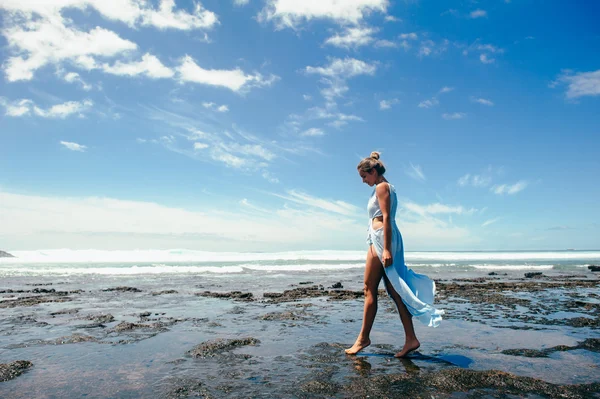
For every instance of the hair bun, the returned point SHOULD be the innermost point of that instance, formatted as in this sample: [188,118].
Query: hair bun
[375,155]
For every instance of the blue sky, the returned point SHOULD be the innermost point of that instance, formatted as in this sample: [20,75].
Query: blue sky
[237,125]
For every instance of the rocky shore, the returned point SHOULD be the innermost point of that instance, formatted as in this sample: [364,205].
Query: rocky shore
[290,343]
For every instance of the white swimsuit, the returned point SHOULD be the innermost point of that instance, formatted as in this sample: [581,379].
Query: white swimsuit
[416,290]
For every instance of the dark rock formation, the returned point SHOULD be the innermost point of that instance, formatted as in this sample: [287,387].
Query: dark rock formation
[594,268]
[123,289]
[5,255]
[237,295]
[218,346]
[13,369]
[164,292]
[533,274]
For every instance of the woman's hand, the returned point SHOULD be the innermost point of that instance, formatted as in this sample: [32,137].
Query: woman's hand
[386,258]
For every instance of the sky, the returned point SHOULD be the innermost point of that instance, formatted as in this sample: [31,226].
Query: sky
[237,125]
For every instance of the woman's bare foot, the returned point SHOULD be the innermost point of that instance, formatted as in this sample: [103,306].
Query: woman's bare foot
[409,346]
[359,345]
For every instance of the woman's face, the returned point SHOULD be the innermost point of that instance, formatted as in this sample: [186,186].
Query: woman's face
[369,177]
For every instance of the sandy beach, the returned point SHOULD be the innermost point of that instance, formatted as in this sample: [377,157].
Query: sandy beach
[218,335]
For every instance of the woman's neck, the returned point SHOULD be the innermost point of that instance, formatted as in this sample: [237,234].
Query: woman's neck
[381,179]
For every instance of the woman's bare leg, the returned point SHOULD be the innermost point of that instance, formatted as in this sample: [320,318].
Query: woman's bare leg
[373,274]
[411,342]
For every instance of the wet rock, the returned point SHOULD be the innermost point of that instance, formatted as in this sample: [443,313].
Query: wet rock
[337,285]
[283,316]
[72,339]
[497,274]
[583,322]
[92,325]
[344,295]
[31,301]
[236,295]
[321,387]
[164,292]
[594,268]
[188,388]
[219,346]
[126,326]
[123,289]
[526,352]
[533,274]
[591,344]
[13,369]
[305,282]
[4,254]
[101,318]
[65,311]
[145,314]
[43,291]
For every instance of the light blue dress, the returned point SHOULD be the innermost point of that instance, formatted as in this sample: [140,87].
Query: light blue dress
[416,290]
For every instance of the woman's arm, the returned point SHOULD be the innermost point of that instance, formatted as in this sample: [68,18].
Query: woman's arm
[383,196]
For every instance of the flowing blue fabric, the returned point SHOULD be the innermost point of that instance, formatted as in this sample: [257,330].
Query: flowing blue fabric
[416,290]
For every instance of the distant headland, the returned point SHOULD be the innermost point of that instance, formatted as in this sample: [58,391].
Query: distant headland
[5,255]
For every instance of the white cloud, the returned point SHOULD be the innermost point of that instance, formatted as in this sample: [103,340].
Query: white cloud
[428,103]
[313,132]
[433,101]
[73,77]
[149,66]
[385,44]
[437,208]
[241,2]
[200,146]
[339,207]
[483,101]
[166,18]
[581,84]
[490,221]
[409,36]
[61,111]
[74,146]
[429,47]
[474,180]
[291,13]
[234,79]
[353,37]
[391,18]
[269,177]
[510,189]
[306,97]
[43,42]
[485,59]
[211,105]
[454,115]
[485,51]
[416,172]
[64,110]
[132,12]
[343,68]
[17,108]
[110,223]
[478,14]
[387,104]
[39,35]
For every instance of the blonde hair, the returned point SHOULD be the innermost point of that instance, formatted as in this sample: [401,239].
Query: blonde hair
[372,162]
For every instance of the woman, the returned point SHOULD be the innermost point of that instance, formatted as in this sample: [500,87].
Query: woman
[413,293]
